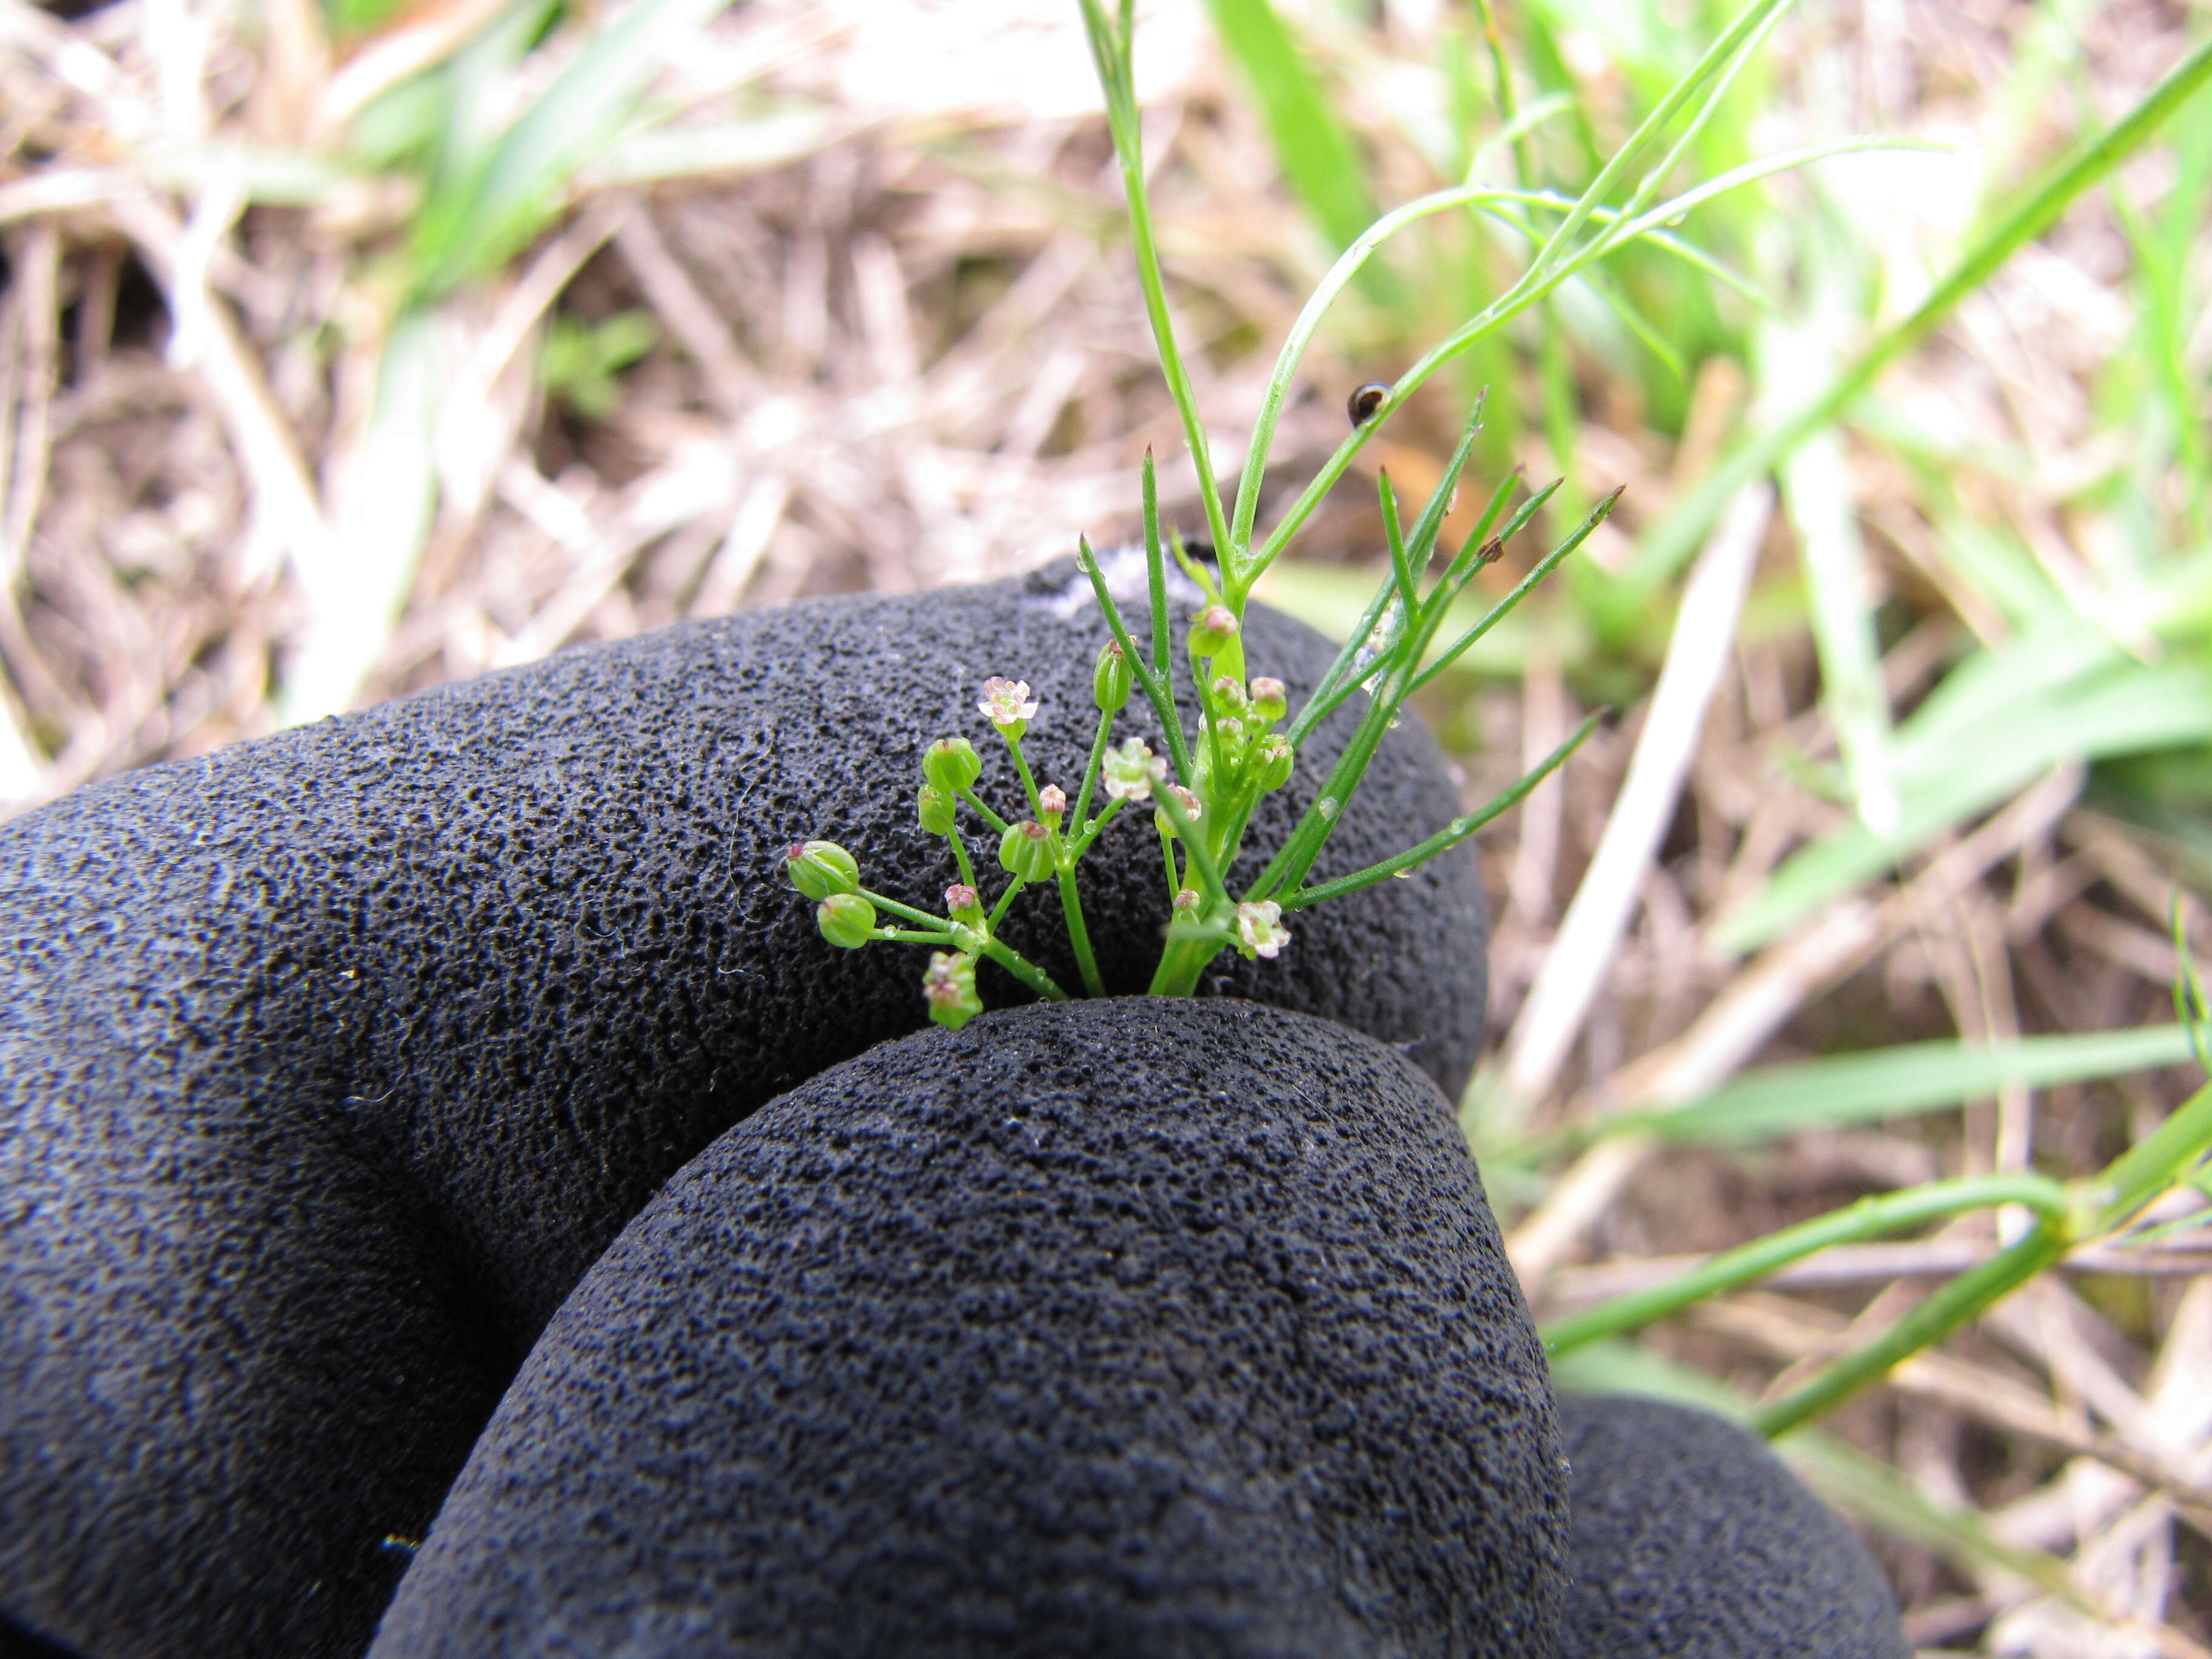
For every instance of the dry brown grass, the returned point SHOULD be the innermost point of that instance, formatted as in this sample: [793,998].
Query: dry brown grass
[901,346]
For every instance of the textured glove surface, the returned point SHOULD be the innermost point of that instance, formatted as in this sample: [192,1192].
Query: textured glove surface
[329,1062]
[1131,1327]
[1692,1541]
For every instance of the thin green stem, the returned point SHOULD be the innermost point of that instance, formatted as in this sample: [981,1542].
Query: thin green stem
[1458,647]
[1751,21]
[1201,857]
[1944,1311]
[1175,880]
[1333,687]
[1157,688]
[1024,970]
[1022,766]
[1156,585]
[1289,866]
[1005,900]
[1382,664]
[906,910]
[2131,1182]
[1544,274]
[1125,125]
[960,854]
[909,935]
[1870,1218]
[1452,834]
[1078,936]
[2155,1162]
[1096,826]
[1408,595]
[1090,774]
[985,812]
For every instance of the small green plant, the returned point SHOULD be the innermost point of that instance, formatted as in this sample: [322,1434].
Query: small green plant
[1204,789]
[580,362]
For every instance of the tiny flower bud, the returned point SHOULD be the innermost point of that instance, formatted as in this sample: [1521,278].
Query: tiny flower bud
[1186,903]
[1230,733]
[1229,692]
[1211,631]
[1111,678]
[1030,850]
[1052,805]
[951,764]
[933,808]
[845,920]
[819,868]
[1007,705]
[1269,701]
[949,986]
[1184,799]
[1130,771]
[1260,930]
[1276,759]
[963,903]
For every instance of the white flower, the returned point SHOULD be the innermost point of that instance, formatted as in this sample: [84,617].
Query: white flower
[1260,928]
[1007,703]
[1130,771]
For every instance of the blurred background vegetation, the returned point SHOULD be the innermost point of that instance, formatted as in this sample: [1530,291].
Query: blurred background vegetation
[348,346]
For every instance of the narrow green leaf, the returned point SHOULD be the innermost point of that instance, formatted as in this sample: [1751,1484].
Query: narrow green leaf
[1899,1082]
[2127,710]
[474,220]
[1683,531]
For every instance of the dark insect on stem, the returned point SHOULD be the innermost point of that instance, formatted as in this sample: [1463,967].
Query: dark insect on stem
[1365,401]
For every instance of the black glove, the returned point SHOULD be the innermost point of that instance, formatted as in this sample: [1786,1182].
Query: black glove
[1110,1330]
[329,1063]
[1692,1541]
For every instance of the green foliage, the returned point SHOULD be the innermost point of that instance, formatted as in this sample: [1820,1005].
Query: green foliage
[578,361]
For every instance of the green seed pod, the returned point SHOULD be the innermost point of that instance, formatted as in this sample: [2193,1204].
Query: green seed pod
[949,986]
[1276,758]
[1030,850]
[1269,700]
[819,868]
[951,764]
[1211,631]
[933,807]
[1192,809]
[1111,677]
[846,920]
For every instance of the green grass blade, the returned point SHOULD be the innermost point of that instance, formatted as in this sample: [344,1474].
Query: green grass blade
[1950,1306]
[1754,19]
[1109,51]
[476,221]
[1818,492]
[2127,711]
[1309,316]
[1870,1218]
[1899,1082]
[1683,531]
